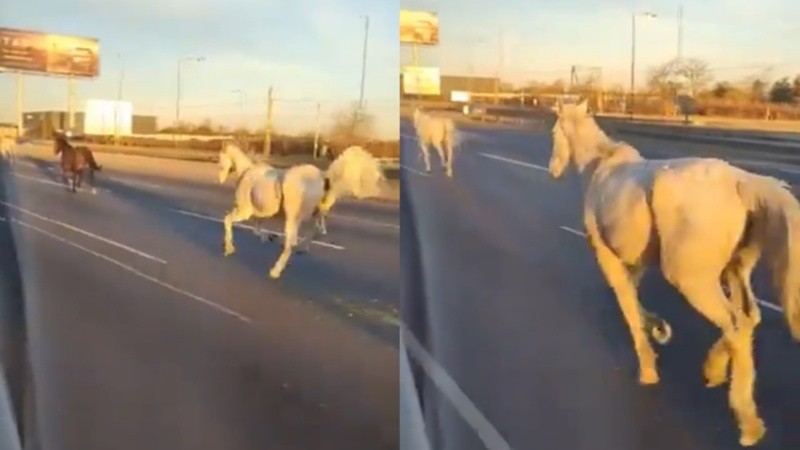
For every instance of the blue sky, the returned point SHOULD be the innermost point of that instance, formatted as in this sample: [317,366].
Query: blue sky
[542,39]
[307,49]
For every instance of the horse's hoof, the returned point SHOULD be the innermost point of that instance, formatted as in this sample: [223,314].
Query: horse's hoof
[752,432]
[94,191]
[228,251]
[648,377]
[274,274]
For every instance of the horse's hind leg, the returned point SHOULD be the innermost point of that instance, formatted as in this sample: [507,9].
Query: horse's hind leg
[424,152]
[235,215]
[624,285]
[291,228]
[705,294]
[448,147]
[737,278]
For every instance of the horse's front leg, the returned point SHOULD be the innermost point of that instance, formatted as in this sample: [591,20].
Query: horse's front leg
[423,147]
[289,242]
[235,215]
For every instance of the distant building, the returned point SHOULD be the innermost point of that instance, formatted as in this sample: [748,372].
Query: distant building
[450,83]
[42,124]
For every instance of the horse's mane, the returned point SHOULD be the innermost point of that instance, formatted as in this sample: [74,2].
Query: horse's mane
[620,151]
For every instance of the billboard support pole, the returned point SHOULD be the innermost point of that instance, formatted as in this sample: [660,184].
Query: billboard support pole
[70,102]
[20,114]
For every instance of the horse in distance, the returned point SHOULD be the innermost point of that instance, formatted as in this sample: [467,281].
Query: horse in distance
[439,132]
[74,160]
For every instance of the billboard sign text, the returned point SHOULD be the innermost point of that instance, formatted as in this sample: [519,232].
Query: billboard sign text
[50,54]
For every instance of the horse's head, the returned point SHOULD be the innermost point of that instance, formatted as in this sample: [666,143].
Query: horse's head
[226,163]
[417,115]
[573,122]
[356,172]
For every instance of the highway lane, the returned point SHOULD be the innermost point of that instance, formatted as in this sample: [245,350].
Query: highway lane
[143,336]
[514,309]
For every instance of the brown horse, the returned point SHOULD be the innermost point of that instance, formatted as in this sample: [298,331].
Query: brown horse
[73,161]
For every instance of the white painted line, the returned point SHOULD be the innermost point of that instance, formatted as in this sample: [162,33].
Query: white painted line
[490,437]
[136,183]
[238,225]
[769,305]
[403,166]
[366,221]
[130,269]
[86,233]
[573,231]
[763,303]
[53,183]
[514,161]
[39,180]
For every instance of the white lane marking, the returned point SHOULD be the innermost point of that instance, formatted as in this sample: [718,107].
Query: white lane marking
[514,161]
[491,438]
[415,171]
[52,183]
[768,305]
[85,233]
[130,269]
[366,221]
[136,182]
[239,225]
[38,180]
[573,231]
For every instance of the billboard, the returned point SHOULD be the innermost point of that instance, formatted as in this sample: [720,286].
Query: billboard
[421,80]
[51,54]
[419,27]
[100,117]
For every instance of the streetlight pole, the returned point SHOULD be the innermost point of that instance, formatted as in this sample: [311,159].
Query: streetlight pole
[119,98]
[648,15]
[364,63]
[178,96]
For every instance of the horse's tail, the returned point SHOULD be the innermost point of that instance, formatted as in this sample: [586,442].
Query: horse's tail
[90,159]
[775,217]
[452,135]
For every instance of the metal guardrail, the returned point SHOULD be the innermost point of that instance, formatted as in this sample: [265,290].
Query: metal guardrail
[412,424]
[9,439]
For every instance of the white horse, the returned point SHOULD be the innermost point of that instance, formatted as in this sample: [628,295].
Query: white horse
[300,192]
[8,148]
[700,220]
[439,132]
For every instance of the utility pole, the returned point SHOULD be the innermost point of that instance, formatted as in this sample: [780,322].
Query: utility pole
[268,127]
[316,132]
[20,114]
[499,68]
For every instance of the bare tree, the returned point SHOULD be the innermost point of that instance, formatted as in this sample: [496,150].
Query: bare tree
[696,73]
[352,124]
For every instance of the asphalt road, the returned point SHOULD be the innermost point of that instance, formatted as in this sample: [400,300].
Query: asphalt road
[142,335]
[522,344]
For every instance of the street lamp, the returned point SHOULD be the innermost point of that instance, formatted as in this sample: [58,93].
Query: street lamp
[178,96]
[646,15]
